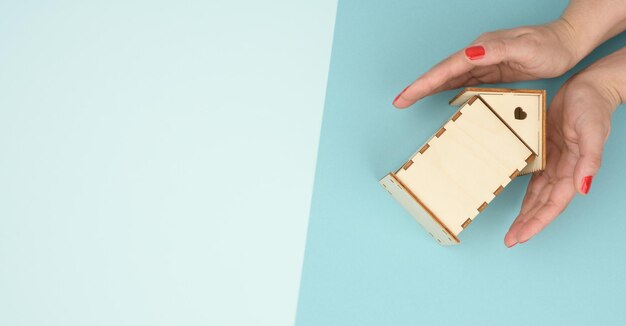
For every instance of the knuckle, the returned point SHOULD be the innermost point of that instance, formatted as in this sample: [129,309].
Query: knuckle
[484,36]
[499,48]
[594,162]
[528,41]
[430,84]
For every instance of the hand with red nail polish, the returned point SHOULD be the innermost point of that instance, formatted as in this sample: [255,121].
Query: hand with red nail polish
[523,53]
[578,125]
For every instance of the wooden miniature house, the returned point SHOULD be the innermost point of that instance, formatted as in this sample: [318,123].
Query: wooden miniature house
[496,135]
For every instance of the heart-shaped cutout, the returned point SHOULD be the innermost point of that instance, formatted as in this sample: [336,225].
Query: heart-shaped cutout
[519,113]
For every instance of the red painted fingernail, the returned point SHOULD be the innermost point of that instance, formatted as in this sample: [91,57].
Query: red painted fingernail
[475,52]
[397,97]
[586,184]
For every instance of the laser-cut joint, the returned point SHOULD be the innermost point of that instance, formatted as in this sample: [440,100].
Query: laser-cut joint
[440,132]
[407,165]
[482,207]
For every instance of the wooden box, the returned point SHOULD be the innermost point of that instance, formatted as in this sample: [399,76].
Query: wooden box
[496,135]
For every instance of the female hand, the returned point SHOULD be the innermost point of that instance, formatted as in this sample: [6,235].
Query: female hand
[523,53]
[578,124]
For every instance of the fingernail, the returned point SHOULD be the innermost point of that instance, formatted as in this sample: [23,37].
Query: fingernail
[397,97]
[586,184]
[513,245]
[475,52]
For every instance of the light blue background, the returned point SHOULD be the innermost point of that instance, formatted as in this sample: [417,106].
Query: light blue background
[368,263]
[157,159]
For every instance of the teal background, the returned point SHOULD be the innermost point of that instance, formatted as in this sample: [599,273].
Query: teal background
[368,263]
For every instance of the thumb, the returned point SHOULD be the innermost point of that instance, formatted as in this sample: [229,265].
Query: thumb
[496,51]
[591,138]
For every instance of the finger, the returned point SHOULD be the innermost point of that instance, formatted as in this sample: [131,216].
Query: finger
[485,53]
[495,51]
[591,138]
[487,74]
[561,195]
[536,224]
[534,188]
[476,76]
[553,191]
[536,191]
[463,80]
[510,239]
[450,68]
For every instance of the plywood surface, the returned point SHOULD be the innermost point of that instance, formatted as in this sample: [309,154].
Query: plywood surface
[462,168]
[505,102]
[419,213]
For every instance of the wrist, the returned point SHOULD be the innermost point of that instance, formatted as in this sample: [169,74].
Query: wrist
[589,23]
[569,37]
[607,78]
